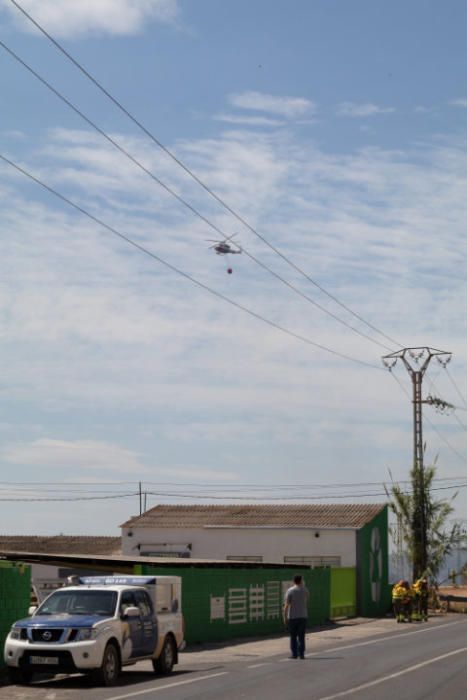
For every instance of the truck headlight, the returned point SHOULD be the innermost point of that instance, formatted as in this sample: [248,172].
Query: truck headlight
[85,634]
[15,633]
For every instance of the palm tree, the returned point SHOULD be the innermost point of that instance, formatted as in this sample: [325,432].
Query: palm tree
[426,555]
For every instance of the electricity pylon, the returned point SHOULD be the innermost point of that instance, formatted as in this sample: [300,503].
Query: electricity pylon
[416,361]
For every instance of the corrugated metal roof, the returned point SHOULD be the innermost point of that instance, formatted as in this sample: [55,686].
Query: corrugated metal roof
[309,515]
[62,544]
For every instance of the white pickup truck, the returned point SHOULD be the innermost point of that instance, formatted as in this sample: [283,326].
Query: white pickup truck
[97,627]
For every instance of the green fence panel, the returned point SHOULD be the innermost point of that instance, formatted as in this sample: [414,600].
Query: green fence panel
[224,603]
[318,582]
[343,592]
[372,567]
[15,595]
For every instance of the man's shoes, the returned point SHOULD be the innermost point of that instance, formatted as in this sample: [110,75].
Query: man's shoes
[302,656]
[293,657]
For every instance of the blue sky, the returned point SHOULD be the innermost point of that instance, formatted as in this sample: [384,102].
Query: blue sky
[337,130]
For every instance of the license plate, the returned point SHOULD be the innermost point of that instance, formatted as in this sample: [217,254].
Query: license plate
[45,660]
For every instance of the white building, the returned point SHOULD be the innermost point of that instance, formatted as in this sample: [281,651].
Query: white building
[47,577]
[317,535]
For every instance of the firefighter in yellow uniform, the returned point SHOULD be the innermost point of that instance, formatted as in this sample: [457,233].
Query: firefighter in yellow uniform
[420,600]
[402,601]
[397,594]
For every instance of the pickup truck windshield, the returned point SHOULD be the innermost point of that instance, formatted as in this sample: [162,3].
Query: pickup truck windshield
[86,602]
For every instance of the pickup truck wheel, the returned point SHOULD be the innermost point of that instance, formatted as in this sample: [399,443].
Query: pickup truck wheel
[109,670]
[165,663]
[18,677]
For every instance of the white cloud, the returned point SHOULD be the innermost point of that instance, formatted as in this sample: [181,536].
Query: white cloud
[73,456]
[89,325]
[76,18]
[461,102]
[15,134]
[247,121]
[367,109]
[77,454]
[288,107]
[194,472]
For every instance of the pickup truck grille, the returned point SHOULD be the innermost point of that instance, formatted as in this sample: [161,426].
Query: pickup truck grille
[47,635]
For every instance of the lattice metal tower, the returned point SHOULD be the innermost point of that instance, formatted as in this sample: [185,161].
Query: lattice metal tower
[416,361]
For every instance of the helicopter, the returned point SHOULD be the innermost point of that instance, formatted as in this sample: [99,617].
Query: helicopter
[225,248]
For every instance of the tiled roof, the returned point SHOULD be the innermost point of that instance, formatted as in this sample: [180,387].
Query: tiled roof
[322,515]
[61,544]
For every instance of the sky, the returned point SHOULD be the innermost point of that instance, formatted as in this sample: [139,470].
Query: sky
[336,131]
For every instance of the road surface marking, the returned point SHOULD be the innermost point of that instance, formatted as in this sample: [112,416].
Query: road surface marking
[410,669]
[265,663]
[385,639]
[167,685]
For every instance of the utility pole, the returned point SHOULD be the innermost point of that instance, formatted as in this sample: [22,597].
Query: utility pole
[416,361]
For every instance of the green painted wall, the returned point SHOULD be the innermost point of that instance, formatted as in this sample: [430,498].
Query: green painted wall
[318,582]
[372,567]
[343,592]
[225,603]
[15,595]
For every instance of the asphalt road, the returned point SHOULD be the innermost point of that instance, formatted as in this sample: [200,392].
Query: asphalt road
[407,662]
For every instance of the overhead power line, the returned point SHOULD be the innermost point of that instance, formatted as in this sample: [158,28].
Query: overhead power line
[67,498]
[212,497]
[451,408]
[92,486]
[459,393]
[195,177]
[433,426]
[178,197]
[180,272]
[370,494]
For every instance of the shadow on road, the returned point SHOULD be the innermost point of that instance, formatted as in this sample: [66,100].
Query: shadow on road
[126,678]
[336,625]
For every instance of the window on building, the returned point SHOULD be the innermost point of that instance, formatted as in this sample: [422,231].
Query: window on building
[242,557]
[314,561]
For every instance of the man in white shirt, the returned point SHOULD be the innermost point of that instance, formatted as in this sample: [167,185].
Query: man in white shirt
[295,616]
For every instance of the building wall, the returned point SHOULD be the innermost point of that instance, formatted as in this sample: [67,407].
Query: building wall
[272,544]
[343,593]
[225,603]
[46,578]
[372,568]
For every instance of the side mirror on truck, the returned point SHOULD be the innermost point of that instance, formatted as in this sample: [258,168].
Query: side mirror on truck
[131,611]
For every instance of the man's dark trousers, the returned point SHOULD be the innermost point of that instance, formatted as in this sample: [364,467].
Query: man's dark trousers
[297,627]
